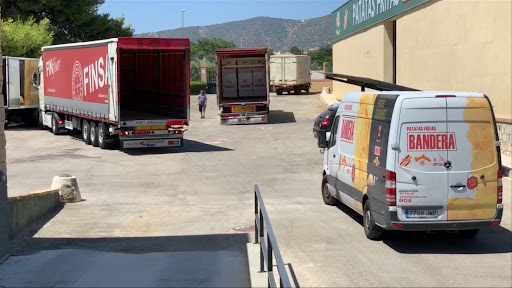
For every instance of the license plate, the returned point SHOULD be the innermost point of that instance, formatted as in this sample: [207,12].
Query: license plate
[152,143]
[243,109]
[429,213]
[161,132]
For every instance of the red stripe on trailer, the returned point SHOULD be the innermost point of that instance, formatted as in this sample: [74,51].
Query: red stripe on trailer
[153,43]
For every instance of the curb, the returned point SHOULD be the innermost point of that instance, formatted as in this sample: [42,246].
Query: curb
[258,279]
[327,99]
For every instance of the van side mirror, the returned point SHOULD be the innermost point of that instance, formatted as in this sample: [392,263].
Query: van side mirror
[322,140]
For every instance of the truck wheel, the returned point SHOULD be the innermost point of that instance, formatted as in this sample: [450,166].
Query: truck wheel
[94,134]
[279,92]
[86,132]
[307,90]
[326,195]
[40,120]
[55,131]
[298,91]
[371,230]
[103,135]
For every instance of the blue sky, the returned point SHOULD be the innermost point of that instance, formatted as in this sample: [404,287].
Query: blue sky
[157,15]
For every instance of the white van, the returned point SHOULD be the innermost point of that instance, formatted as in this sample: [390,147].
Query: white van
[420,161]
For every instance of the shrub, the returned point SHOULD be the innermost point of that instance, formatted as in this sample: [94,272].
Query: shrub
[197,86]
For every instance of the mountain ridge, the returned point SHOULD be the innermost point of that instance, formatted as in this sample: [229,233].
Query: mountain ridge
[276,33]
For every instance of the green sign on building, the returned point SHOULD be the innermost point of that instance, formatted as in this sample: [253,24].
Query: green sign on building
[356,15]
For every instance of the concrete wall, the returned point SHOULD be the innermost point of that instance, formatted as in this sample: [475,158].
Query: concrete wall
[4,211]
[459,45]
[24,210]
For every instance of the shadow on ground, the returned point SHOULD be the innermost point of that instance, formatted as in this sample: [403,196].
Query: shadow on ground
[494,240]
[281,117]
[216,260]
[21,127]
[189,146]
[137,245]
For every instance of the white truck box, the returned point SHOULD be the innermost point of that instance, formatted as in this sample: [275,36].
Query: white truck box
[290,72]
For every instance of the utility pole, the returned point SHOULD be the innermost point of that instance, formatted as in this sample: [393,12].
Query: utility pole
[183,17]
[302,38]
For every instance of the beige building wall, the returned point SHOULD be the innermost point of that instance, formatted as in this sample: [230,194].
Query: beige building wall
[363,54]
[458,45]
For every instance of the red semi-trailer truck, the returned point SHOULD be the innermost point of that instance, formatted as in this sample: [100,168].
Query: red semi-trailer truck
[134,91]
[243,94]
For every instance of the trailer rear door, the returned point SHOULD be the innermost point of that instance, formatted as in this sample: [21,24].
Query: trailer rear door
[154,81]
[14,83]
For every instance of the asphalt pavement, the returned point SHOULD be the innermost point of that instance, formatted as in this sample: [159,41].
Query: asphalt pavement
[199,198]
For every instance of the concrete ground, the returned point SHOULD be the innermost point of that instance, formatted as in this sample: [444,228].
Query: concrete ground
[198,199]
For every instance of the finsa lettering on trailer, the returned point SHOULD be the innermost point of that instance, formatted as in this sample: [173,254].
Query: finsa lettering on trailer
[95,76]
[52,67]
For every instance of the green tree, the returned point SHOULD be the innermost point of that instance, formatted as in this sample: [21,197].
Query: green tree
[24,38]
[323,54]
[204,49]
[271,52]
[295,50]
[71,21]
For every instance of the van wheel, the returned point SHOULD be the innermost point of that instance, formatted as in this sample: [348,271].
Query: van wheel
[371,230]
[326,195]
[469,234]
[103,135]
[94,134]
[86,132]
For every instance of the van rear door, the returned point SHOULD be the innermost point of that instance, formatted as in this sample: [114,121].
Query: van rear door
[421,178]
[474,161]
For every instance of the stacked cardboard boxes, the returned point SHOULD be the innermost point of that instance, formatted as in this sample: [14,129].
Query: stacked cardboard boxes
[229,83]
[244,77]
[259,75]
[245,84]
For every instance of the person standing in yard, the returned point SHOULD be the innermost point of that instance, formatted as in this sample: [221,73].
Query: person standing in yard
[202,99]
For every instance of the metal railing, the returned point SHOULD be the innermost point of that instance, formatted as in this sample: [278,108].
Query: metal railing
[268,249]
